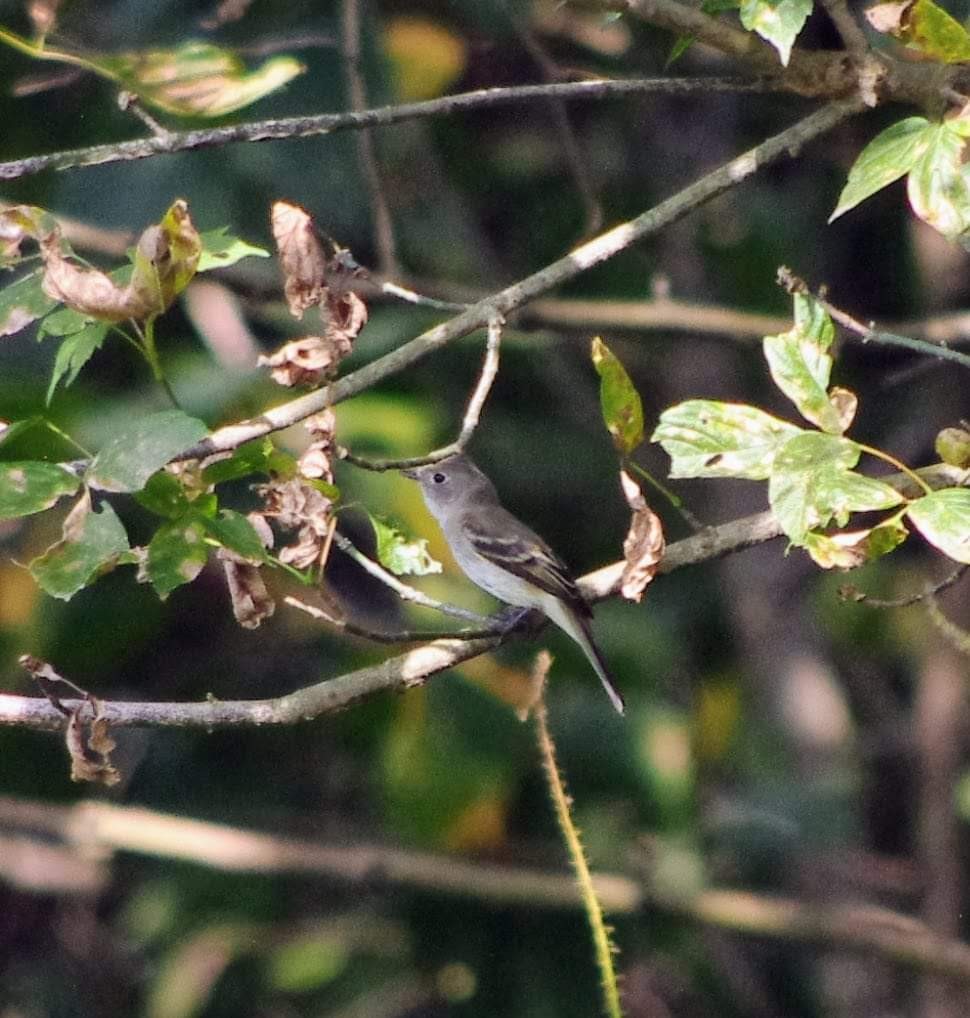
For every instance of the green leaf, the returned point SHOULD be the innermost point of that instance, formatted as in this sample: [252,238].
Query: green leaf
[176,554]
[401,556]
[31,486]
[220,249]
[706,438]
[96,543]
[233,531]
[196,79]
[938,191]
[943,518]
[800,365]
[776,21]
[258,457]
[812,483]
[853,549]
[888,157]
[129,459]
[23,302]
[74,352]
[164,495]
[619,399]
[924,26]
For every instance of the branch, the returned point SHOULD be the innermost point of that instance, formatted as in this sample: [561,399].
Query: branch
[469,421]
[382,116]
[584,257]
[92,829]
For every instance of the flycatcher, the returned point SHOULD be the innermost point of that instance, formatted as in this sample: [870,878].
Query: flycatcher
[503,556]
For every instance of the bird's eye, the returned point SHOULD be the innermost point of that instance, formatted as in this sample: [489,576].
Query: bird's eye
[438,478]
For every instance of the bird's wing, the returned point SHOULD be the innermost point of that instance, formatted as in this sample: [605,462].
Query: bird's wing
[506,541]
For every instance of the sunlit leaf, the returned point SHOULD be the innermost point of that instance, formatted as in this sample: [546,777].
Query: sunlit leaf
[402,556]
[32,486]
[938,191]
[888,157]
[306,962]
[176,554]
[953,446]
[855,548]
[943,518]
[800,365]
[812,484]
[776,21]
[93,543]
[258,457]
[619,399]
[706,438]
[220,250]
[132,456]
[195,79]
[924,26]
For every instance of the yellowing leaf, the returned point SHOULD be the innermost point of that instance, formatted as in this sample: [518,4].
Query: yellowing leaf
[619,399]
[196,79]
[425,57]
[923,26]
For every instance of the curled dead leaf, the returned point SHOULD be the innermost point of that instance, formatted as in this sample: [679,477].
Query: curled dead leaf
[317,460]
[296,505]
[251,601]
[307,361]
[90,745]
[303,258]
[644,545]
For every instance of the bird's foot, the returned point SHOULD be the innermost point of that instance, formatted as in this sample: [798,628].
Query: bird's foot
[513,617]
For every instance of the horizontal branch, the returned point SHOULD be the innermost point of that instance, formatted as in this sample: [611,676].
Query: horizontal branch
[415,667]
[382,116]
[95,829]
[578,261]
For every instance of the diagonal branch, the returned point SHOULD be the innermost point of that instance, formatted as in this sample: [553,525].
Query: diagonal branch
[578,261]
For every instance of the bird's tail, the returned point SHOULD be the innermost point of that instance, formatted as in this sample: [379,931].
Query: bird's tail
[571,622]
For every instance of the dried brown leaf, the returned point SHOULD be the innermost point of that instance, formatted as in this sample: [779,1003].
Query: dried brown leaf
[307,361]
[303,257]
[347,315]
[317,461]
[90,745]
[644,545]
[89,291]
[251,601]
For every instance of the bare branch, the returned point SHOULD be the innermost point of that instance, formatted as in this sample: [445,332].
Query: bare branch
[793,284]
[384,242]
[382,116]
[469,422]
[93,829]
[403,591]
[852,593]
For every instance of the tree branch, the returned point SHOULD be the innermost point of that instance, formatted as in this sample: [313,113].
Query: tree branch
[578,261]
[93,828]
[415,667]
[382,116]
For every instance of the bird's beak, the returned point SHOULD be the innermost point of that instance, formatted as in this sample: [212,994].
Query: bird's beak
[412,474]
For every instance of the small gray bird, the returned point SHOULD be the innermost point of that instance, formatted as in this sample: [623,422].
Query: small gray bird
[503,556]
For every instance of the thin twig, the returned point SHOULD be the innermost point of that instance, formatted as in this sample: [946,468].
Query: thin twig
[956,637]
[794,284]
[469,422]
[403,293]
[380,636]
[384,242]
[403,591]
[849,592]
[382,116]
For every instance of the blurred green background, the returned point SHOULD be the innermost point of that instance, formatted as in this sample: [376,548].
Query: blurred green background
[778,740]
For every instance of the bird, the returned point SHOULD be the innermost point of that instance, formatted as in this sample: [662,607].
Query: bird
[504,556]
